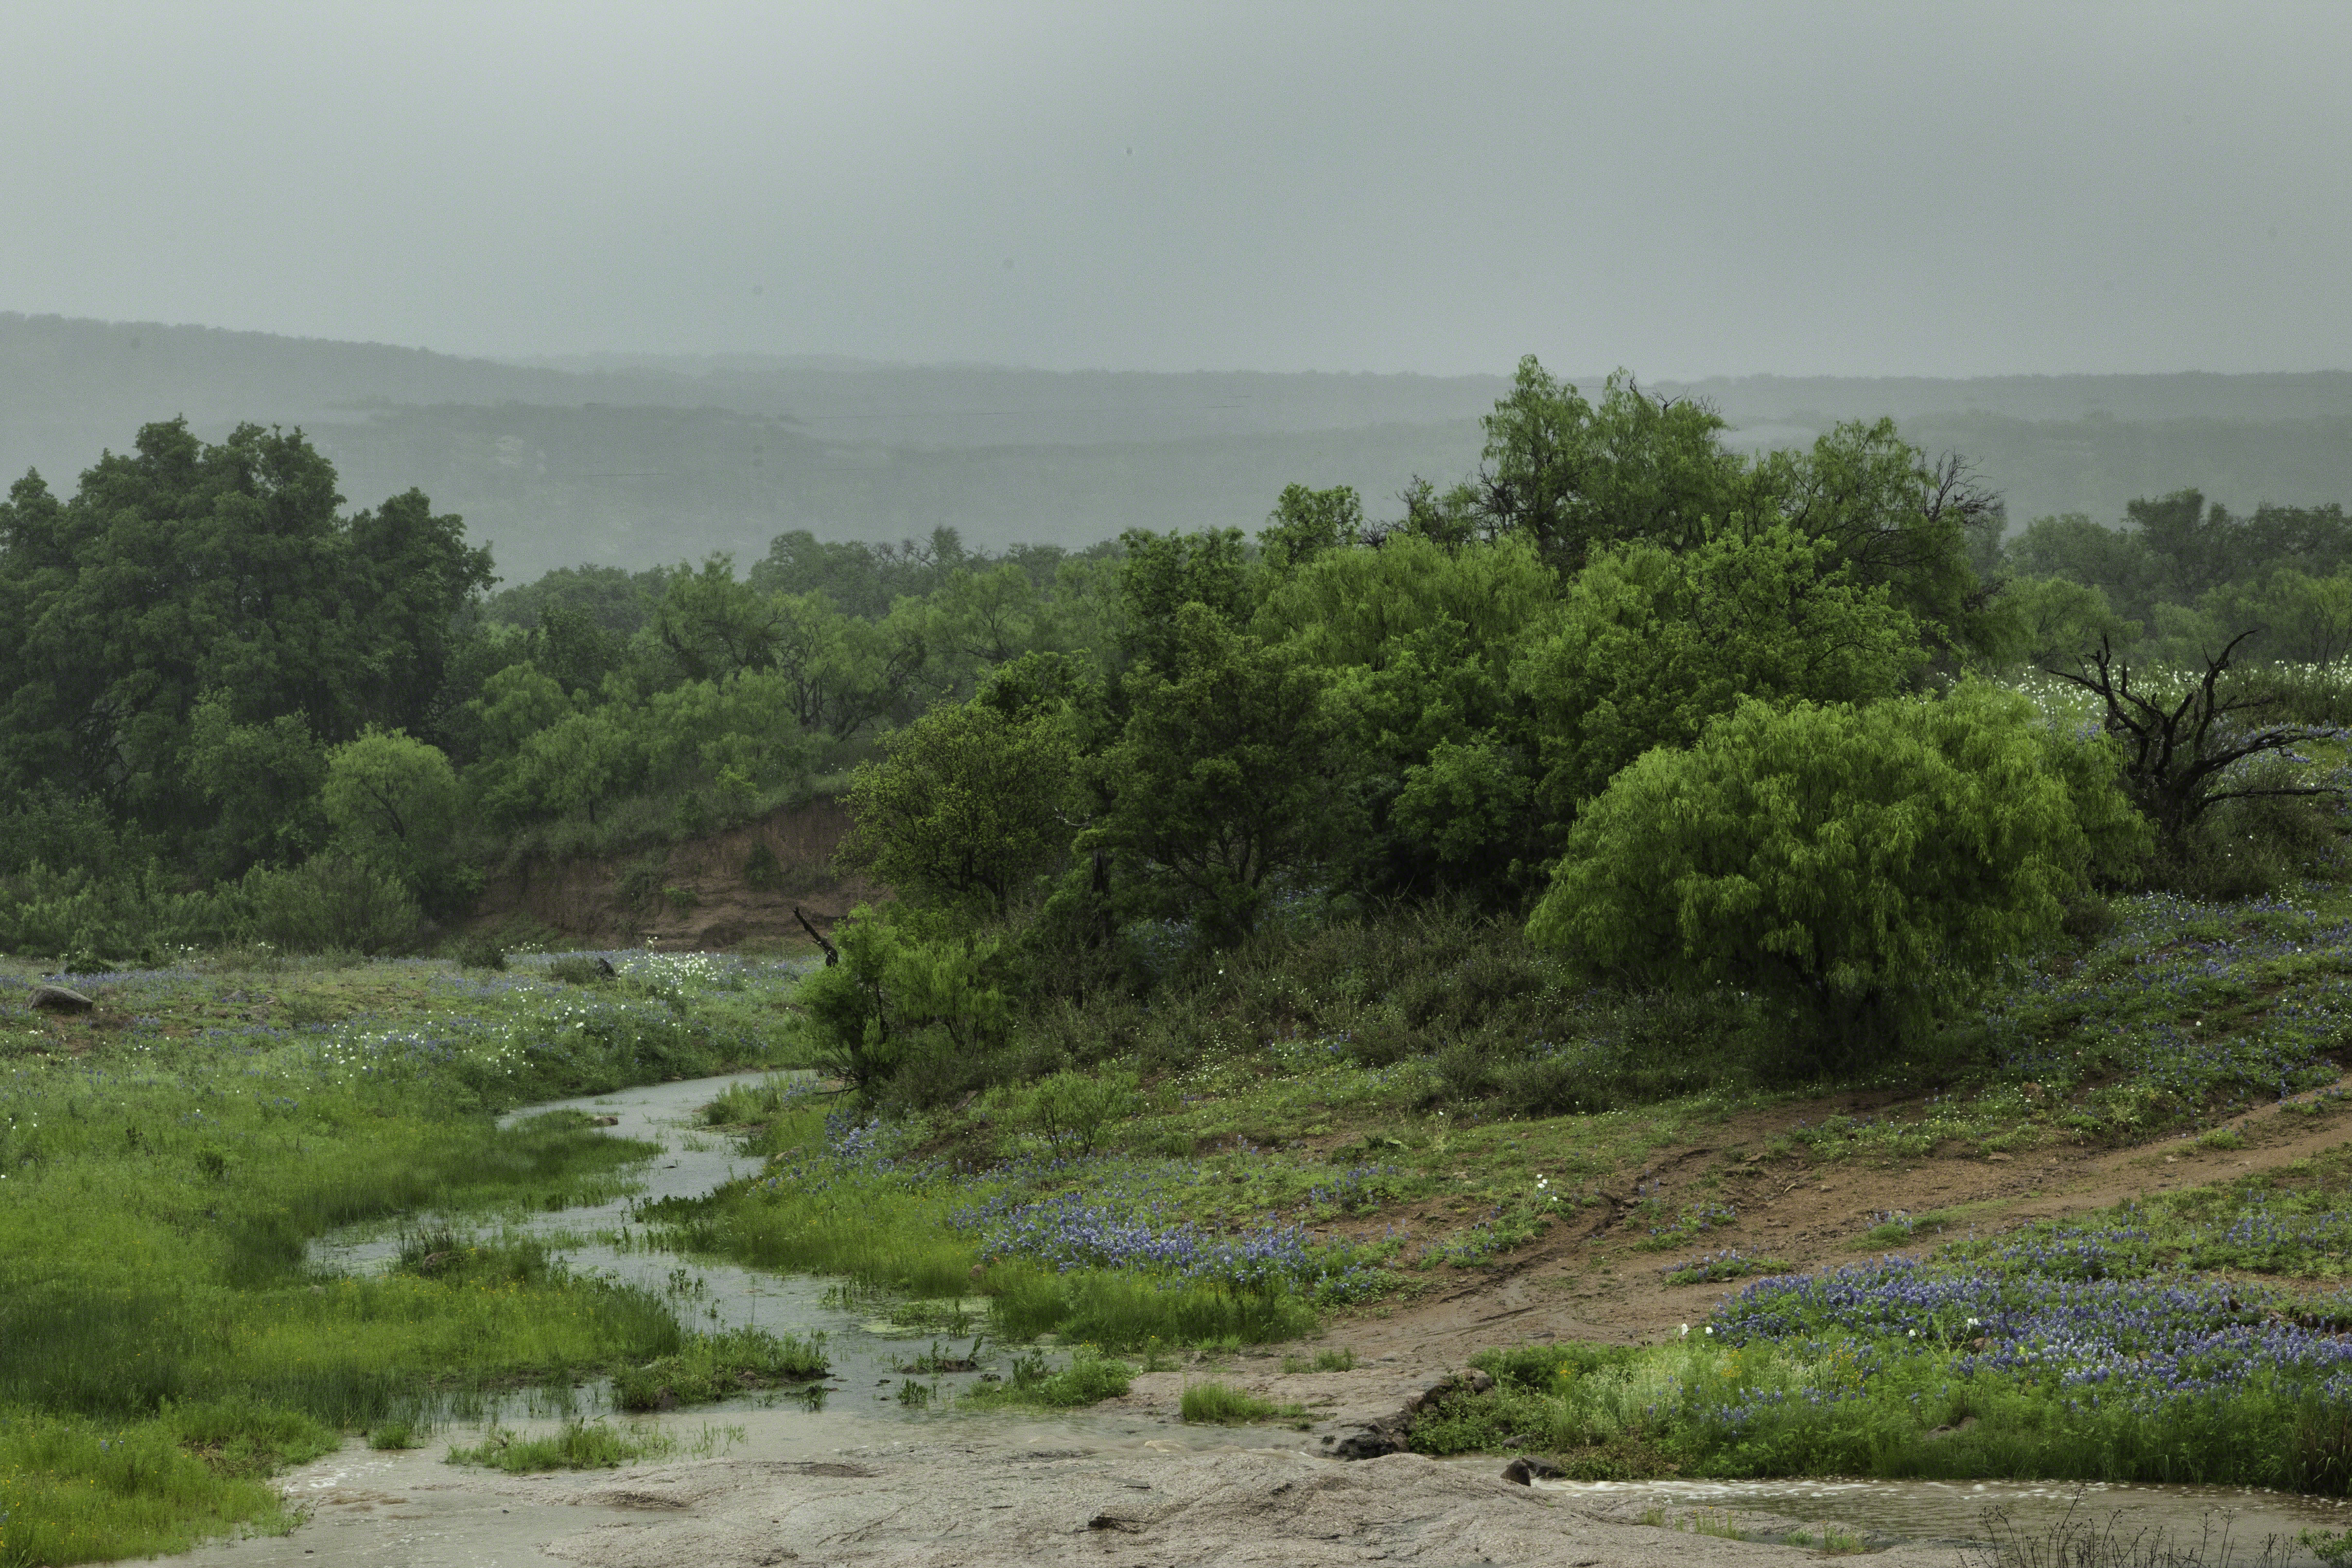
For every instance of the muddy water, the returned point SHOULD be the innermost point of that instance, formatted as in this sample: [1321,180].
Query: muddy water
[1956,1511]
[451,1510]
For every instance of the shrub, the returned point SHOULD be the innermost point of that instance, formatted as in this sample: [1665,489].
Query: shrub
[909,997]
[1857,864]
[1071,1111]
[333,902]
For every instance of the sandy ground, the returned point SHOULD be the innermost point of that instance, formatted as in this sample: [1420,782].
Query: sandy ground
[972,1493]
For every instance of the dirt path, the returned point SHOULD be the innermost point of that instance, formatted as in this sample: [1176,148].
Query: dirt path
[1586,1279]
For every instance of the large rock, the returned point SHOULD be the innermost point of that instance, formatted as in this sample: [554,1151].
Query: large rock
[58,999]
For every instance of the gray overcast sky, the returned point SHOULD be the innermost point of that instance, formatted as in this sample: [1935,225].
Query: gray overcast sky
[1868,189]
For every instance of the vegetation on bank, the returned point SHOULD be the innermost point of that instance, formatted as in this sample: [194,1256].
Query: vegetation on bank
[165,1158]
[2175,1338]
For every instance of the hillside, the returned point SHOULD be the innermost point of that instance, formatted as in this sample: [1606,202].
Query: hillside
[637,460]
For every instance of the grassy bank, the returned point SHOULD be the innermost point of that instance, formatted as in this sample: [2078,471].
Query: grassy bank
[2176,1338]
[165,1157]
[1336,1135]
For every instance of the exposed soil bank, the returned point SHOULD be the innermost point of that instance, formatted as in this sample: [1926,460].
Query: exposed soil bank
[727,891]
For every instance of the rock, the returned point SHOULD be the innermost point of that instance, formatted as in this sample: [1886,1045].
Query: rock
[58,999]
[1112,1522]
[1527,1467]
[1981,1341]
[1437,1392]
[1371,1443]
[603,1121]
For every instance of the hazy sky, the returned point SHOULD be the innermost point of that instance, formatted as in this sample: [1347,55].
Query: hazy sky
[1873,188]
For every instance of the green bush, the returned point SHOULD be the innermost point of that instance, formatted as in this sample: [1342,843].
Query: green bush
[1072,1112]
[574,969]
[331,902]
[1862,865]
[911,998]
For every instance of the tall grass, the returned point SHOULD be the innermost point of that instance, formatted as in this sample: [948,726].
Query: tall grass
[75,1489]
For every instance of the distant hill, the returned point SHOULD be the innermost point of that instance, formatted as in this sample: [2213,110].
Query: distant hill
[636,460]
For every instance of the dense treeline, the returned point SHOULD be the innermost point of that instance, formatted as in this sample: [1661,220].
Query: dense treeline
[2184,576]
[1700,720]
[1709,719]
[236,712]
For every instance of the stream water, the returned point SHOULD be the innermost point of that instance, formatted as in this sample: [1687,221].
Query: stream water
[862,1407]
[604,1239]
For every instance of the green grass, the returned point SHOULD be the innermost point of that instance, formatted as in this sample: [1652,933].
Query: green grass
[164,1159]
[1222,1405]
[75,1490]
[1322,1360]
[1089,1379]
[575,1445]
[712,1366]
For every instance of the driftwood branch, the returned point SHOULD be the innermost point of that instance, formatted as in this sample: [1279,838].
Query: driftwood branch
[832,956]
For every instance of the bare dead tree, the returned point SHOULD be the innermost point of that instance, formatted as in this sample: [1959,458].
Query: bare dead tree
[2177,757]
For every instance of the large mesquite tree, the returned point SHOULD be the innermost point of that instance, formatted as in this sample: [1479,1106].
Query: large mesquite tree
[1858,864]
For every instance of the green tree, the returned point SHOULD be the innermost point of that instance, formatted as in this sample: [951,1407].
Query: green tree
[393,801]
[181,568]
[1165,572]
[1573,477]
[713,625]
[1417,642]
[737,737]
[2059,621]
[1652,644]
[2300,616]
[1889,518]
[578,762]
[265,780]
[1305,523]
[969,804]
[1222,781]
[1859,864]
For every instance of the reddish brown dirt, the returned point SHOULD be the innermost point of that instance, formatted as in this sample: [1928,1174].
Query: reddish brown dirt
[1585,1279]
[581,899]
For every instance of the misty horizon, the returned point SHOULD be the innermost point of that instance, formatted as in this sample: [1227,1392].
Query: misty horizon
[1686,192]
